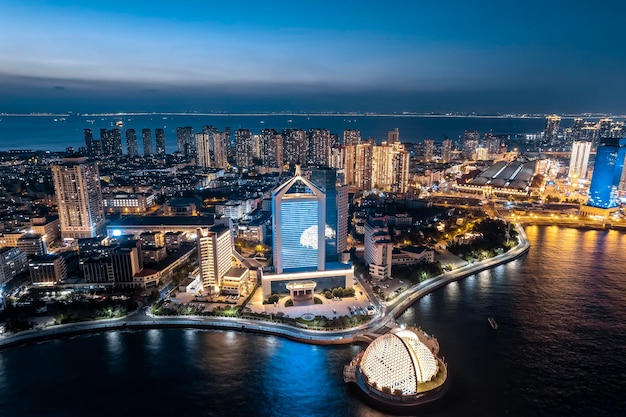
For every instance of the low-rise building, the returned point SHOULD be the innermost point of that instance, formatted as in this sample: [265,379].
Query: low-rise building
[127,203]
[412,255]
[12,262]
[47,270]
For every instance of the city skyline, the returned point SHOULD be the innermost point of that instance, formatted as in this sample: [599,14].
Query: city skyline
[271,57]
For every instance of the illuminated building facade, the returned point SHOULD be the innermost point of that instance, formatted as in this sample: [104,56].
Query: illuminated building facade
[299,213]
[244,148]
[77,187]
[579,160]
[551,132]
[351,137]
[185,140]
[203,150]
[607,173]
[214,256]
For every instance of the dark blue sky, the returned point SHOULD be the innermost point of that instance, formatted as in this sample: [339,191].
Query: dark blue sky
[484,56]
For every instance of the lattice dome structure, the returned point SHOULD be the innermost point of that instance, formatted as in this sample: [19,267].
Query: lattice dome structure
[398,361]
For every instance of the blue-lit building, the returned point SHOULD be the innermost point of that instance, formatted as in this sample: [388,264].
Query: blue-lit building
[607,173]
[298,209]
[299,224]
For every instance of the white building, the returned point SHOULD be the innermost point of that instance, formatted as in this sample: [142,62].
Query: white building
[579,160]
[378,248]
[214,256]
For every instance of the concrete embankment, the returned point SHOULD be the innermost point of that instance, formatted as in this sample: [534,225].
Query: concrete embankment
[347,336]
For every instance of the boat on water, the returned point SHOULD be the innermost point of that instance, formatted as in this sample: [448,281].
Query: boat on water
[492,323]
[119,123]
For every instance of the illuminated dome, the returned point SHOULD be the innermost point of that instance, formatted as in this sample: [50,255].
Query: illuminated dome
[398,361]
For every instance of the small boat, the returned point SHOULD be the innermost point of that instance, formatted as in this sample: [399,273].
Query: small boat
[119,123]
[493,323]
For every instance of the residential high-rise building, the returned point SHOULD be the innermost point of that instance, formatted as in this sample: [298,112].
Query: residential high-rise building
[319,147]
[203,150]
[214,256]
[604,128]
[295,146]
[271,148]
[94,147]
[390,167]
[299,218]
[470,143]
[491,143]
[131,143]
[393,136]
[429,150]
[111,141]
[77,187]
[551,132]
[579,160]
[607,173]
[146,140]
[446,151]
[220,146]
[185,140]
[363,165]
[244,148]
[12,262]
[351,137]
[159,135]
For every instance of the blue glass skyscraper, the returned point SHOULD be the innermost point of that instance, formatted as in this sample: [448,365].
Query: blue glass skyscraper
[607,172]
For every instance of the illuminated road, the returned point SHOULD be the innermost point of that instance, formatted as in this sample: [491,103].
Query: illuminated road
[142,320]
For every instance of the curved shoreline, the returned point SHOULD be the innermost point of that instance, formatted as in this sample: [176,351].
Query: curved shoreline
[331,337]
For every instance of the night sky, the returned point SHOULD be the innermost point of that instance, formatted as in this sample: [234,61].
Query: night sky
[391,56]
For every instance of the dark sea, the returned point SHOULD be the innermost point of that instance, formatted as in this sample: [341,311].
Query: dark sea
[559,351]
[55,133]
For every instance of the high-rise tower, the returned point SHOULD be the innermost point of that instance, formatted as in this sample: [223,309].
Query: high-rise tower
[579,160]
[77,187]
[607,173]
[131,143]
[214,256]
[160,141]
[299,218]
[146,140]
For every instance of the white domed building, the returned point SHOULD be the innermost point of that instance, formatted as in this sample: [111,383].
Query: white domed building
[400,368]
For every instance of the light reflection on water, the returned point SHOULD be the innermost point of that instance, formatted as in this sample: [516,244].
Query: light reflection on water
[561,317]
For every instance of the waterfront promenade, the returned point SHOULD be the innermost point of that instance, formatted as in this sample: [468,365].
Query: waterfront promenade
[380,322]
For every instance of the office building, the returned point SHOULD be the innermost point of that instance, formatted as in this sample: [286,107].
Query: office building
[336,200]
[77,188]
[159,135]
[299,213]
[607,173]
[131,143]
[146,140]
[299,227]
[214,256]
[579,160]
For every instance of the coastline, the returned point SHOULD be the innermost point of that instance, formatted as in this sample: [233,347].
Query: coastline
[331,337]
